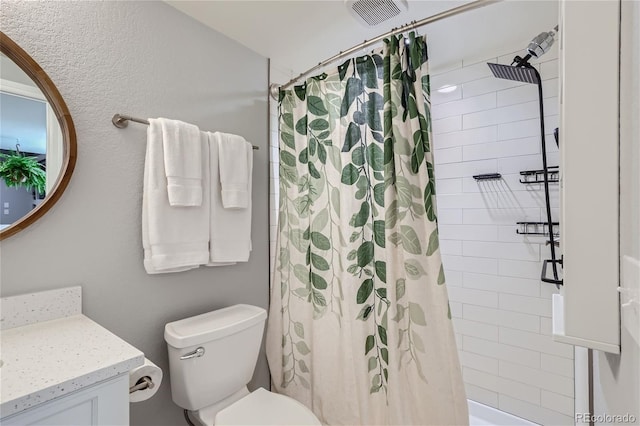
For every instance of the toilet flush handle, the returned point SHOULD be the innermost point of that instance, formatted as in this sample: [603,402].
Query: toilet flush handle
[194,354]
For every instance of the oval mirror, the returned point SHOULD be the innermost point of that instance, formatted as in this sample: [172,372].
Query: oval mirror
[37,140]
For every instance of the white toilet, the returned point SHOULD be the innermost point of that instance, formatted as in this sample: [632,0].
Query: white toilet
[212,357]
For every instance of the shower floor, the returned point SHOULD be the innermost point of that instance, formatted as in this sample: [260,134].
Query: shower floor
[480,415]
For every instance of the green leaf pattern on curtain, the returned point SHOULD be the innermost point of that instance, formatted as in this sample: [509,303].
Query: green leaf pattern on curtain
[362,109]
[309,212]
[407,151]
[358,241]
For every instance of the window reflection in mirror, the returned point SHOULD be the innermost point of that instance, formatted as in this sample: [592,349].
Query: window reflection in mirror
[29,130]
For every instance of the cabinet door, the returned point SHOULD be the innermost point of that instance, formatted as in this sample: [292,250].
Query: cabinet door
[106,403]
[587,313]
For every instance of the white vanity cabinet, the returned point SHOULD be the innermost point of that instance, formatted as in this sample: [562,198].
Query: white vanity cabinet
[105,403]
[60,367]
[587,312]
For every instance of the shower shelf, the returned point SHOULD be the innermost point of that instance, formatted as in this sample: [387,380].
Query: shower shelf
[536,228]
[537,176]
[488,176]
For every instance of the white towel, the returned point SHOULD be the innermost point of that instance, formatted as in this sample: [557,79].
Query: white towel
[230,229]
[182,146]
[174,238]
[235,170]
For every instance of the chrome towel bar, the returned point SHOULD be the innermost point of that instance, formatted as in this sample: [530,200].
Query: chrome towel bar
[121,121]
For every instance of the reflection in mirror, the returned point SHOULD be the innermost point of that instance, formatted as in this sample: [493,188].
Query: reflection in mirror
[37,140]
[30,144]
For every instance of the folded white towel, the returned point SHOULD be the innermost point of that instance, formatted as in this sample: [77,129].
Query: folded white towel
[174,238]
[230,229]
[182,146]
[235,170]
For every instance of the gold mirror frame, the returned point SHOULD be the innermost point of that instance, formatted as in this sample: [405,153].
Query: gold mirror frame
[69,150]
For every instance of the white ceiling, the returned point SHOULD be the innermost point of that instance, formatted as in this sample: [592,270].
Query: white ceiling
[296,35]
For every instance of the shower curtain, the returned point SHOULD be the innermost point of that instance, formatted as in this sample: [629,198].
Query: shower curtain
[359,327]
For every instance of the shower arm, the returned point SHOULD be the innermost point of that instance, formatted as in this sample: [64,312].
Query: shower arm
[274,88]
[521,62]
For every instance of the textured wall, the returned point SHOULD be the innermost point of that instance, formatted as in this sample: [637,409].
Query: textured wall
[145,59]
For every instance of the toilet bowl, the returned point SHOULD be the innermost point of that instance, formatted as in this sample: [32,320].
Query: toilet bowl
[212,358]
[262,407]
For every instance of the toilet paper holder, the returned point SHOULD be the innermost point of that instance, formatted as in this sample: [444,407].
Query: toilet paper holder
[144,383]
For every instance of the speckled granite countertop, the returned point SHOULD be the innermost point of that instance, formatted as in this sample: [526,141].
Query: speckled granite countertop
[50,359]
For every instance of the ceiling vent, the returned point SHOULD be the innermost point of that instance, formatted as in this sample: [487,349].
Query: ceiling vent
[373,12]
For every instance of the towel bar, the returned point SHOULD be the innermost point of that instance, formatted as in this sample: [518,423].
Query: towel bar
[121,121]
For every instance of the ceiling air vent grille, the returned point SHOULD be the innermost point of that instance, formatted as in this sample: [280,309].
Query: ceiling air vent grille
[374,12]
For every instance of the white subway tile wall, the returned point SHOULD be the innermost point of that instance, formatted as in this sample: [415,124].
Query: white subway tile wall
[500,308]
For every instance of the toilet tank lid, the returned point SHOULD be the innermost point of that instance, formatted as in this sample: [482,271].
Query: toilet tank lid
[212,325]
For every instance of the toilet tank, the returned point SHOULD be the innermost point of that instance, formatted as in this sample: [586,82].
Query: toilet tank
[231,340]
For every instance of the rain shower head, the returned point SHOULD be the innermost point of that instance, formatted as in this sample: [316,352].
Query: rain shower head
[515,73]
[520,69]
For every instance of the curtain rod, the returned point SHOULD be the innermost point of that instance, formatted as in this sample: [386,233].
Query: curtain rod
[273,88]
[121,121]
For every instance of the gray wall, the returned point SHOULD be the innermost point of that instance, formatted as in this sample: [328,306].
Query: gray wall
[145,59]
[20,202]
[617,377]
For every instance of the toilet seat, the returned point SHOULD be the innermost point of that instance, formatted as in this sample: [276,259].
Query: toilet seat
[262,407]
